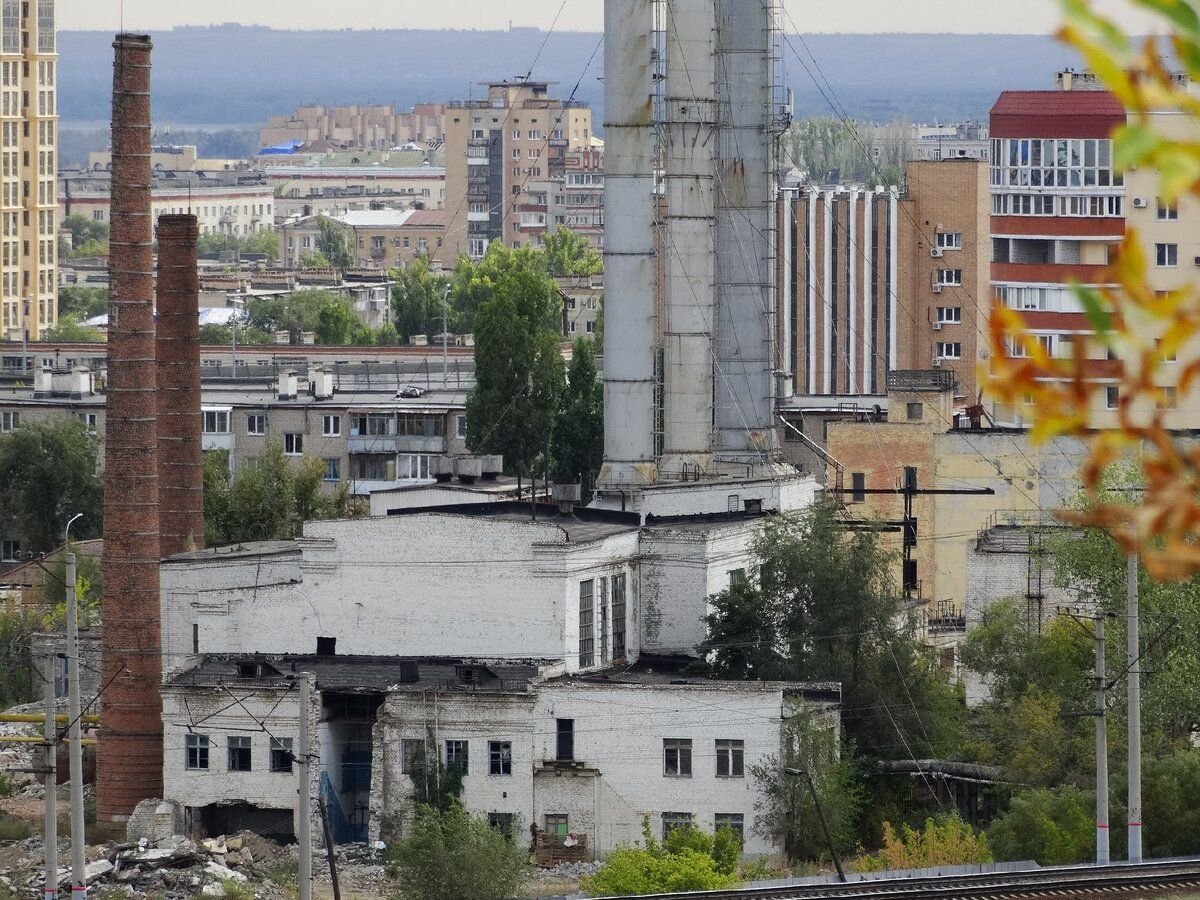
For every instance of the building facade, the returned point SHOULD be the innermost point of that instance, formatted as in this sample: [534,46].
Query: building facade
[28,151]
[374,127]
[305,190]
[496,149]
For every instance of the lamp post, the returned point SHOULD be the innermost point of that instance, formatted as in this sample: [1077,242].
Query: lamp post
[74,745]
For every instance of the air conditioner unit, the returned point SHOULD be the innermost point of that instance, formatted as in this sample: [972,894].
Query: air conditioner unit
[937,288]
[937,326]
[935,252]
[1139,202]
[937,362]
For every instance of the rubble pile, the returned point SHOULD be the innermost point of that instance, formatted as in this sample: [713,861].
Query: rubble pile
[168,869]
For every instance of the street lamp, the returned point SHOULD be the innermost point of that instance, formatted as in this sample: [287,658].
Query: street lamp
[74,744]
[804,773]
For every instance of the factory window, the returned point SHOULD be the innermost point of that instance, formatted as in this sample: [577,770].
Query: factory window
[735,822]
[737,578]
[10,551]
[587,643]
[564,730]
[457,756]
[293,443]
[499,758]
[196,750]
[256,424]
[949,240]
[10,420]
[333,469]
[281,754]
[677,757]
[674,820]
[331,426]
[239,753]
[731,759]
[618,616]
[858,487]
[1166,255]
[915,411]
[216,421]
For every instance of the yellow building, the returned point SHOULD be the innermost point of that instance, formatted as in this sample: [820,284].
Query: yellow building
[28,166]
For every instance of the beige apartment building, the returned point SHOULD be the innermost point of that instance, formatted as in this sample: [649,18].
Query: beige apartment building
[497,150]
[28,166]
[379,238]
[376,127]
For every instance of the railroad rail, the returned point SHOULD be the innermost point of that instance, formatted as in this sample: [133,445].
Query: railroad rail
[1156,877]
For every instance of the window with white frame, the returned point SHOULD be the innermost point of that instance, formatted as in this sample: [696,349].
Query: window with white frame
[1166,255]
[1168,397]
[293,443]
[216,421]
[1167,211]
[677,757]
[412,465]
[331,426]
[949,240]
[460,426]
[949,315]
[949,349]
[10,420]
[256,423]
[196,751]
[949,277]
[333,469]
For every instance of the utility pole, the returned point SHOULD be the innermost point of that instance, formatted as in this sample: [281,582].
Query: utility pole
[837,859]
[50,773]
[75,741]
[304,825]
[1135,709]
[1100,683]
[445,335]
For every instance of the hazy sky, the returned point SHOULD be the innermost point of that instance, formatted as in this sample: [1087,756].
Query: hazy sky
[1009,16]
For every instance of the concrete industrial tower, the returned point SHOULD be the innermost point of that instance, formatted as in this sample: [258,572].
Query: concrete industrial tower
[690,356]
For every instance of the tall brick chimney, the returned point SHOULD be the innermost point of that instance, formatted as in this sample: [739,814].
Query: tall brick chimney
[129,762]
[180,458]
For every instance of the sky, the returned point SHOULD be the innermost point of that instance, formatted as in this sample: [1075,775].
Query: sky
[963,16]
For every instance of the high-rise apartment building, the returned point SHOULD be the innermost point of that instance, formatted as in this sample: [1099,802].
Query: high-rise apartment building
[496,148]
[28,166]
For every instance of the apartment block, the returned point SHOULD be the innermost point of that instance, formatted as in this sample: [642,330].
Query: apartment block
[28,166]
[497,149]
[373,127]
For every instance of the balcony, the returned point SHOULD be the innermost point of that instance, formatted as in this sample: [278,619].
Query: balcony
[371,443]
[216,442]
[408,443]
[1049,273]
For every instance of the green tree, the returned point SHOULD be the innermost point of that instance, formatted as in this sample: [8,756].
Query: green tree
[297,313]
[519,370]
[90,248]
[579,431]
[786,815]
[387,335]
[1170,785]
[689,860]
[71,329]
[333,244]
[335,322]
[265,242]
[568,253]
[823,606]
[82,301]
[314,259]
[16,659]
[417,300]
[48,473]
[84,229]
[1050,826]
[452,855]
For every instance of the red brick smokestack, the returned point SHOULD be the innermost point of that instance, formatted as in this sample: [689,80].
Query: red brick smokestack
[180,458]
[129,763]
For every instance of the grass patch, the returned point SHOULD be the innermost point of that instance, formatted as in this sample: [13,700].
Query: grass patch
[13,829]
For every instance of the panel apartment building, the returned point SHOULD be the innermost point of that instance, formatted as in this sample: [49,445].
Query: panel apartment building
[497,150]
[28,141]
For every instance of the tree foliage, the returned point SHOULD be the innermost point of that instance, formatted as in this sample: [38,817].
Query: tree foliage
[568,253]
[71,330]
[48,473]
[519,372]
[1050,826]
[17,627]
[1131,321]
[328,316]
[333,244]
[579,432]
[949,842]
[265,243]
[417,300]
[823,606]
[688,860]
[82,301]
[89,237]
[829,149]
[786,814]
[269,500]
[451,855]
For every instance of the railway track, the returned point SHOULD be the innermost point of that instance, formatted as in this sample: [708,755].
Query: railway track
[1174,876]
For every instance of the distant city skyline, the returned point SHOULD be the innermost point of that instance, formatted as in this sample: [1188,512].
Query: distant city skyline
[855,16]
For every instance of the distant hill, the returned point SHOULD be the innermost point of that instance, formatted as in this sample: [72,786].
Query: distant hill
[237,76]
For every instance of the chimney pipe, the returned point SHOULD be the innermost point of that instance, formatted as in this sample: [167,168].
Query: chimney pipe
[129,762]
[177,346]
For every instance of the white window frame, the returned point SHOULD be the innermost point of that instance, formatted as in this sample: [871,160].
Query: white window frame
[219,421]
[10,420]
[949,277]
[1166,256]
[949,349]
[256,423]
[949,240]
[331,426]
[949,315]
[293,443]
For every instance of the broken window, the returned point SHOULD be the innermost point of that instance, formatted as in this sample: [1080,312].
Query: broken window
[196,751]
[411,752]
[677,757]
[618,616]
[499,757]
[673,820]
[239,753]
[457,757]
[281,754]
